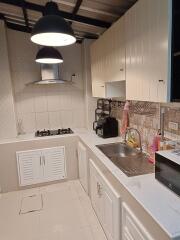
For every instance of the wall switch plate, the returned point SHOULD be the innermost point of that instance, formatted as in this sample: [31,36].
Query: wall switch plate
[173,126]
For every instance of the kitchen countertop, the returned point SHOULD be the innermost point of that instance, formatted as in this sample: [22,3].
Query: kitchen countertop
[162,204]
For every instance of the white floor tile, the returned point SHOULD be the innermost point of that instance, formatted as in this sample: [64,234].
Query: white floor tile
[67,214]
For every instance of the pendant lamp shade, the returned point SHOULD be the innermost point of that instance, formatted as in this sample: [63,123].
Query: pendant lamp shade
[52,29]
[49,55]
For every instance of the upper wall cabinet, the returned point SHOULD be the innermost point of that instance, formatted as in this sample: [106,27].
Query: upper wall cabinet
[108,59]
[148,46]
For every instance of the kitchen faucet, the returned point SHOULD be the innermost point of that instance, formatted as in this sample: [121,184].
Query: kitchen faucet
[128,130]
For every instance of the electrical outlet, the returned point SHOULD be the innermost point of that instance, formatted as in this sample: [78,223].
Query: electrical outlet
[173,126]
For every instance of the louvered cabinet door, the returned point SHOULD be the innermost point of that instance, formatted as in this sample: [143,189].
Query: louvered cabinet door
[54,163]
[30,169]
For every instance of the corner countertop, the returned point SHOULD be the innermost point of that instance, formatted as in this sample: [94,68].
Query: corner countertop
[161,204]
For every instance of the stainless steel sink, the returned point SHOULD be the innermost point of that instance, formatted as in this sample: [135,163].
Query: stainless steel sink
[131,161]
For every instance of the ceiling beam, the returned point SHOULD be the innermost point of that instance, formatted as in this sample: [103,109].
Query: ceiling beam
[66,15]
[18,27]
[77,6]
[25,14]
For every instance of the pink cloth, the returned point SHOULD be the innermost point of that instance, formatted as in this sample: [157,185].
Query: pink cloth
[125,118]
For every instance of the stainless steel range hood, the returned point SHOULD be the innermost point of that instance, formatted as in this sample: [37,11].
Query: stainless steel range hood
[50,75]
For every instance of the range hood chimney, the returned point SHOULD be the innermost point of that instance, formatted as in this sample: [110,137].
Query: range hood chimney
[50,75]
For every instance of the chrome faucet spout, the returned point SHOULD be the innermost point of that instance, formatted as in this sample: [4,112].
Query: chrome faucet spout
[128,130]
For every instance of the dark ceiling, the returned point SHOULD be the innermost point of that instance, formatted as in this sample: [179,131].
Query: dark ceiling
[89,18]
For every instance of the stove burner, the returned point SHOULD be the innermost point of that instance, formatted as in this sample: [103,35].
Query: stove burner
[53,132]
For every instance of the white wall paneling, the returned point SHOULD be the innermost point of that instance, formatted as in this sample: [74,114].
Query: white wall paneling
[7,111]
[90,102]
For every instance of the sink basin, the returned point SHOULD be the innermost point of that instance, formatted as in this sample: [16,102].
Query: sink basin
[131,161]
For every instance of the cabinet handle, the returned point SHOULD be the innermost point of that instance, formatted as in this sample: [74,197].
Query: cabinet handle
[121,69]
[40,160]
[102,86]
[99,189]
[44,160]
[161,80]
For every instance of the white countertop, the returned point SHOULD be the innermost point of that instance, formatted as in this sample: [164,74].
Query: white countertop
[162,204]
[32,137]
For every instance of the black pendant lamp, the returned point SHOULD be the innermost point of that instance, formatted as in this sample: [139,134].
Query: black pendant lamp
[49,55]
[51,29]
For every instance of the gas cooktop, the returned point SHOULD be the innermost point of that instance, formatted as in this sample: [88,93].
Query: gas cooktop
[59,131]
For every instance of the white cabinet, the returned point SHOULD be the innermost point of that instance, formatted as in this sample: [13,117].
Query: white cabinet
[54,164]
[108,60]
[148,46]
[106,203]
[132,228]
[99,89]
[83,166]
[42,165]
[29,167]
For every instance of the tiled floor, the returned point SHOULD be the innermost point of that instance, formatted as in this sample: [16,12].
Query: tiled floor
[67,215]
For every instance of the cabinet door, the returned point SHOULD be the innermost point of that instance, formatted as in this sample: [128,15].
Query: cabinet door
[108,214]
[132,228]
[114,51]
[54,163]
[30,169]
[106,203]
[97,61]
[98,89]
[108,59]
[147,51]
[83,166]
[161,59]
[96,192]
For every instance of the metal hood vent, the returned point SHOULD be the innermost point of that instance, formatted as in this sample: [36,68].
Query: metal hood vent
[50,75]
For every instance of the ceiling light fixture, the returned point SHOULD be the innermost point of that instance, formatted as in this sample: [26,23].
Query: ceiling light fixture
[52,29]
[49,55]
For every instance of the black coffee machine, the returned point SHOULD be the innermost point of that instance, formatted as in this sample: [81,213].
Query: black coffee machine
[104,125]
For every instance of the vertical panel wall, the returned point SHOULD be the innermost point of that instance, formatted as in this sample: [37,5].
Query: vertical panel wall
[7,112]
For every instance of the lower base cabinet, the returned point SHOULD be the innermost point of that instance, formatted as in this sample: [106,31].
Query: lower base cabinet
[132,228]
[106,203]
[41,165]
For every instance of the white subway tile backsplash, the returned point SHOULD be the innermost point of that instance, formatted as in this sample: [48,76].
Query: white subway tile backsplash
[42,121]
[40,100]
[55,120]
[65,100]
[53,101]
[26,123]
[66,118]
[78,118]
[78,99]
